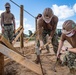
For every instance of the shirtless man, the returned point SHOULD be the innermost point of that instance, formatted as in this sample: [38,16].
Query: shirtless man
[69,34]
[47,25]
[8,23]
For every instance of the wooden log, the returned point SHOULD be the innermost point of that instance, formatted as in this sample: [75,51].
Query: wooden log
[20,59]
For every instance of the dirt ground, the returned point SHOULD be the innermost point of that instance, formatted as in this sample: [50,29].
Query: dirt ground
[47,60]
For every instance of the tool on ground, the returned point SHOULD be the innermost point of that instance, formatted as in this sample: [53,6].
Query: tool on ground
[57,60]
[38,56]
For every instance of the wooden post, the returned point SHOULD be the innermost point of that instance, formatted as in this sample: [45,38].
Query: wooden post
[21,24]
[36,28]
[36,22]
[1,64]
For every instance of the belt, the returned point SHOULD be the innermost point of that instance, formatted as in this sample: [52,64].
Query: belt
[7,24]
[47,29]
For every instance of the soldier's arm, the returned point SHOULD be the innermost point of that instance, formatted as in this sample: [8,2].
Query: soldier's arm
[54,26]
[13,18]
[39,29]
[14,23]
[72,50]
[62,39]
[2,22]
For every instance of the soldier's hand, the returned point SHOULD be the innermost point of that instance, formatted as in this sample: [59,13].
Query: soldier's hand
[58,54]
[49,38]
[64,49]
[41,45]
[14,31]
[2,29]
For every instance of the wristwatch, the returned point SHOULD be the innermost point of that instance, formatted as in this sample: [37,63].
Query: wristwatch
[66,48]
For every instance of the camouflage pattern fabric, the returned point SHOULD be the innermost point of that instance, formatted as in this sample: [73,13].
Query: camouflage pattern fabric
[8,32]
[72,72]
[54,40]
[70,60]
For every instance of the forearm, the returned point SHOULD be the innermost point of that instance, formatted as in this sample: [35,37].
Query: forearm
[1,23]
[60,46]
[40,35]
[72,50]
[39,32]
[53,30]
[52,33]
[14,23]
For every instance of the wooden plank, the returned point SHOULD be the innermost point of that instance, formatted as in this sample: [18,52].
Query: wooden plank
[30,37]
[6,60]
[18,29]
[7,43]
[1,64]
[14,41]
[20,59]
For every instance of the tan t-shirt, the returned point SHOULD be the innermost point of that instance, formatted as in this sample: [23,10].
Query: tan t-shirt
[7,18]
[71,40]
[41,24]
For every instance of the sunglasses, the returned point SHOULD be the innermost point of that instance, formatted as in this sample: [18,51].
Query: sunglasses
[7,7]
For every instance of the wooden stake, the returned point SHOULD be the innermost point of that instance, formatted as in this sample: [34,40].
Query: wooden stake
[1,64]
[21,23]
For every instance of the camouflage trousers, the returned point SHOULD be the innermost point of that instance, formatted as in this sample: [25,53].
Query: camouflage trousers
[70,60]
[8,32]
[54,40]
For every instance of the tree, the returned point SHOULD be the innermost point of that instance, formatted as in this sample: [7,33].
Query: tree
[30,33]
[59,32]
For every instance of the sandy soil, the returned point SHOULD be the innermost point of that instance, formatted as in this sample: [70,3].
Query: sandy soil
[47,60]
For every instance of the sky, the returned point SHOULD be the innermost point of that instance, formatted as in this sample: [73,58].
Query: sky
[64,9]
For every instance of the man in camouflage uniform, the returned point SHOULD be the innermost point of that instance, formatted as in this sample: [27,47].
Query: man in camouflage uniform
[69,34]
[8,23]
[46,25]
